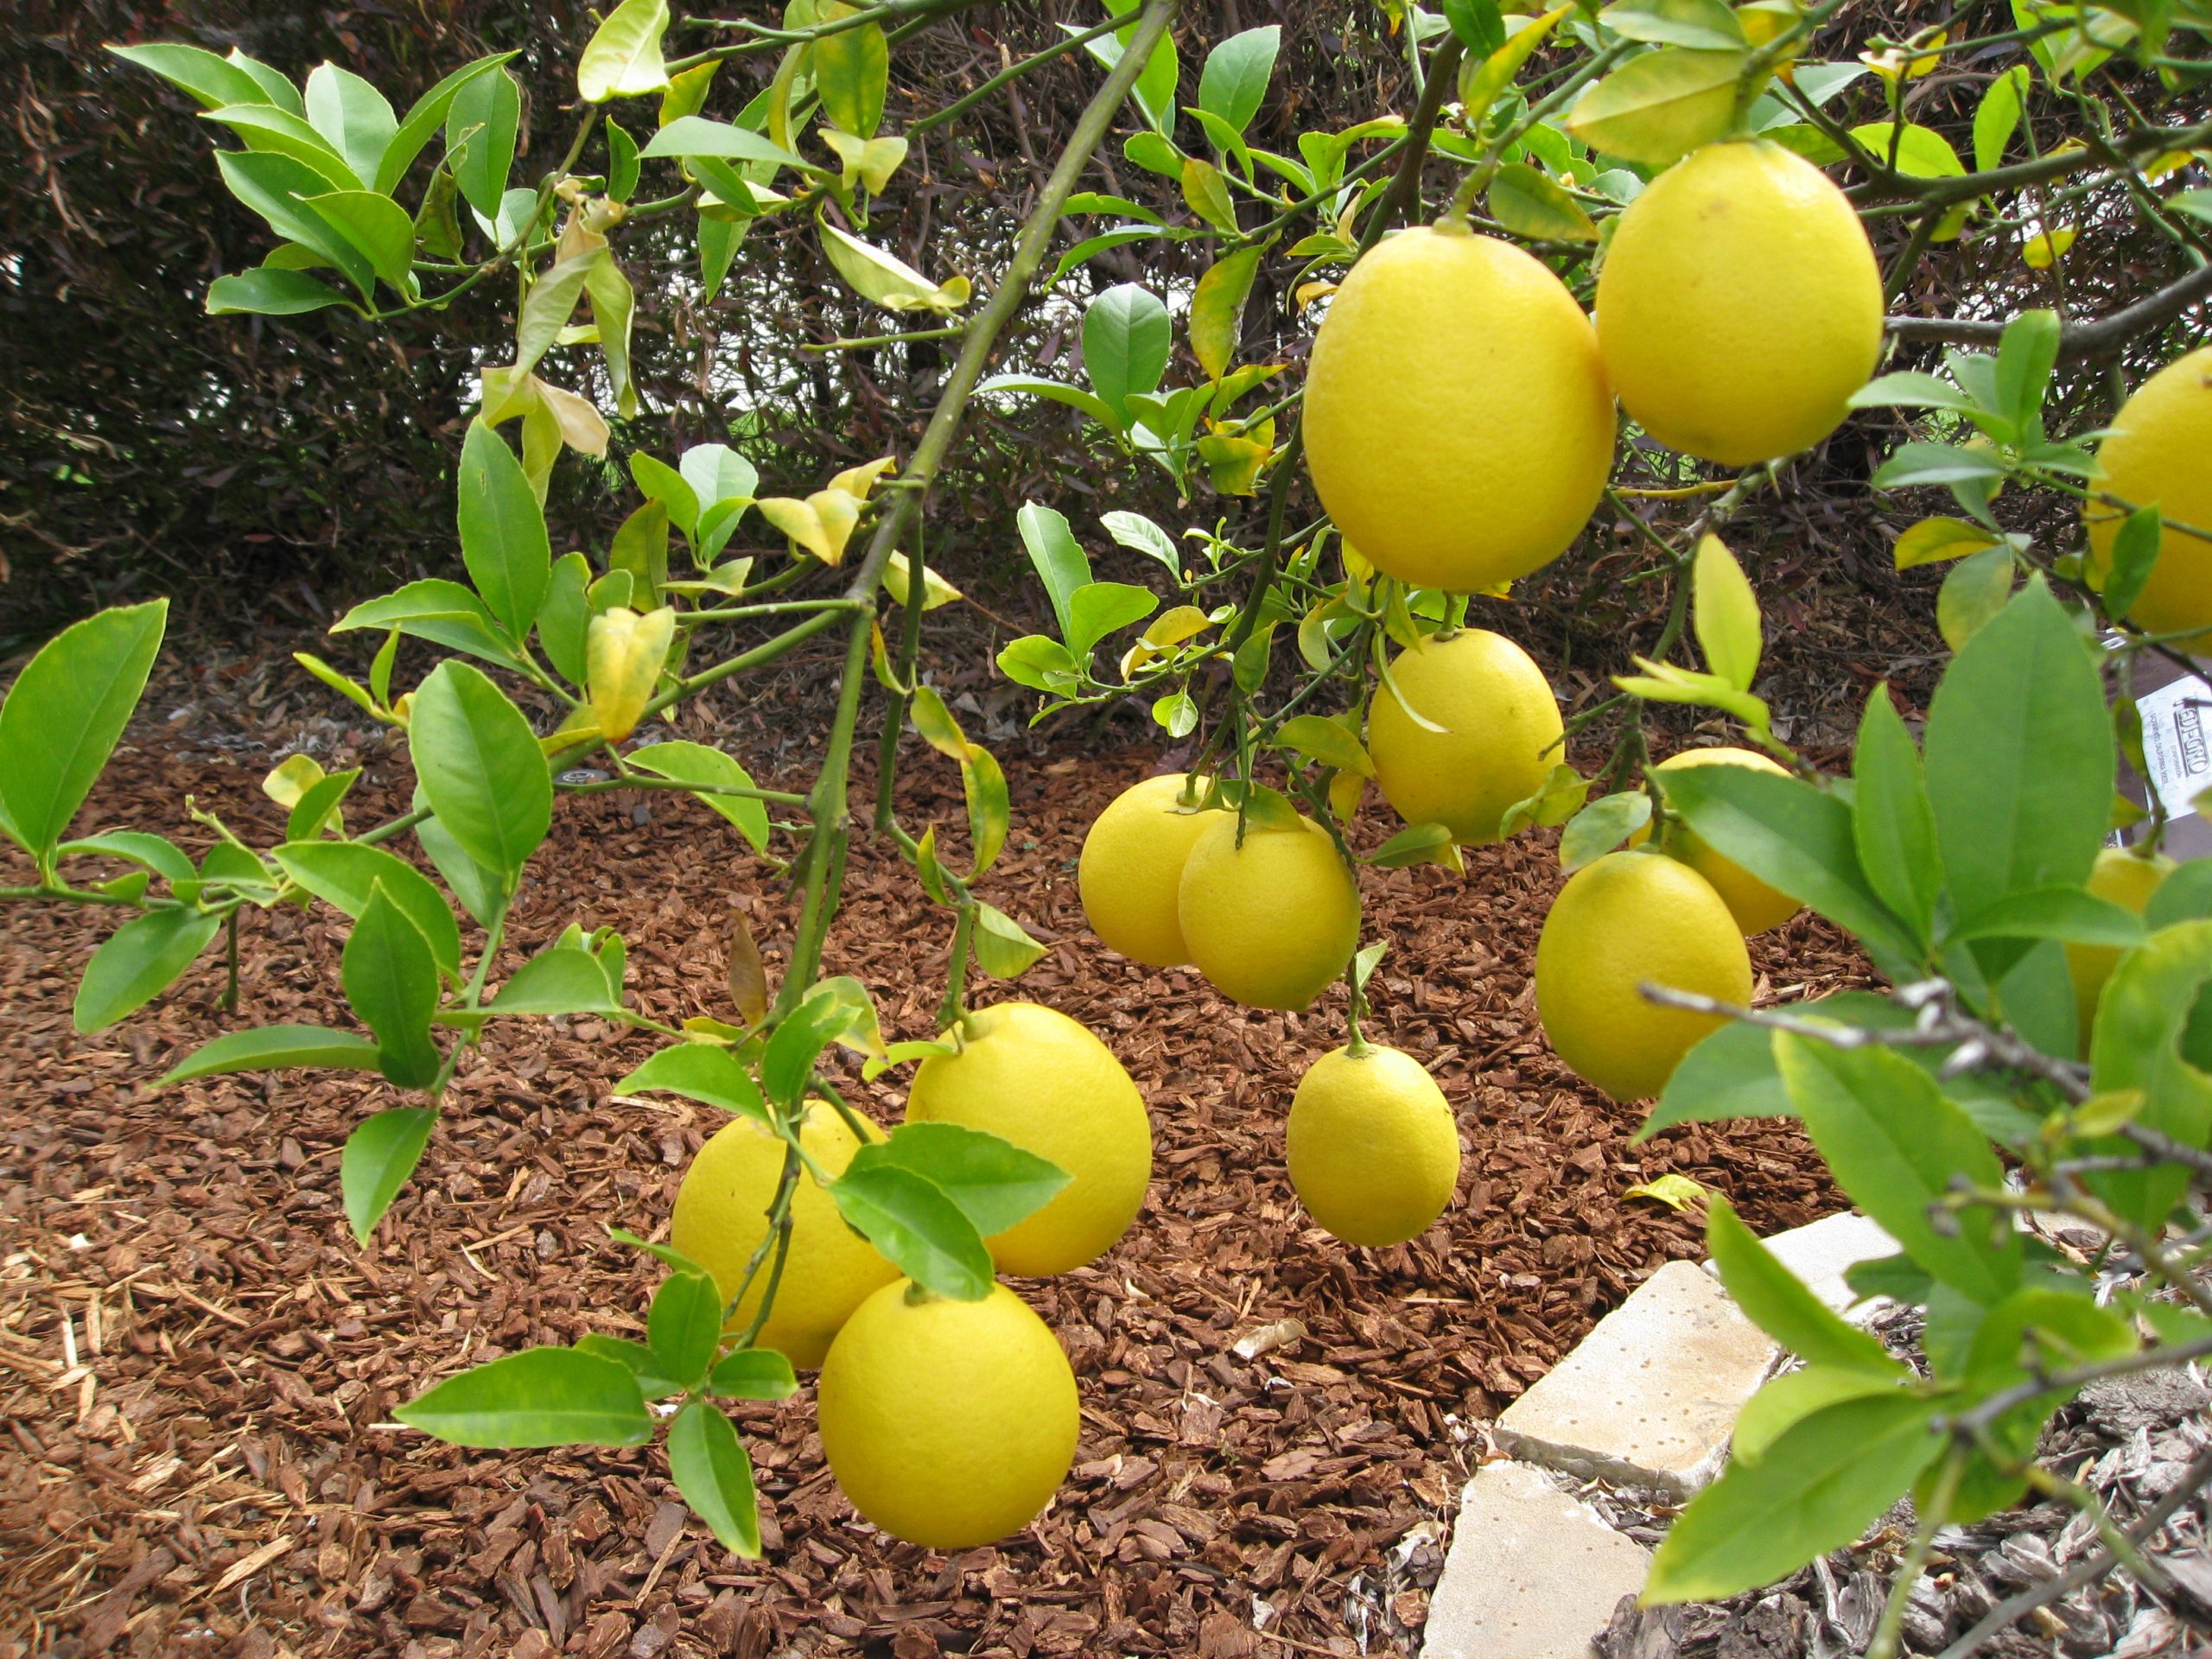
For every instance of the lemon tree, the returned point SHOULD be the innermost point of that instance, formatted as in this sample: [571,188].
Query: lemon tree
[1591,291]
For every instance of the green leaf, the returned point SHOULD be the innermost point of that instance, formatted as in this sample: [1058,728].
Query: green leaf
[503,536]
[480,128]
[426,117]
[623,59]
[1776,1300]
[1997,116]
[753,1374]
[276,187]
[697,763]
[1895,1142]
[345,873]
[1234,82]
[1478,23]
[379,1155]
[1726,614]
[483,893]
[1814,1490]
[1059,558]
[1922,153]
[264,126]
[391,980]
[1892,825]
[1656,108]
[710,1467]
[994,1183]
[561,980]
[2019,756]
[1601,826]
[982,782]
[2025,356]
[1730,1073]
[444,612]
[684,1325]
[1417,844]
[1326,742]
[1706,25]
[1974,590]
[354,116]
[1217,304]
[539,1398]
[1798,840]
[694,134]
[836,1010]
[2135,550]
[1482,81]
[1531,204]
[156,853]
[564,618]
[1790,1398]
[851,71]
[376,227]
[638,1359]
[1097,608]
[1918,464]
[700,1071]
[139,961]
[480,768]
[622,167]
[274,1048]
[62,718]
[1911,389]
[1206,192]
[1003,947]
[1126,340]
[1059,392]
[2054,912]
[2184,896]
[212,81]
[918,1228]
[2147,1038]
[318,805]
[269,292]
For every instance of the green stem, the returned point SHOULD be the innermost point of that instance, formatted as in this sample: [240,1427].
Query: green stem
[824,858]
[955,1005]
[1013,72]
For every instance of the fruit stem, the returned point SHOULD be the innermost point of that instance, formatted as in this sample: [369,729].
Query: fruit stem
[1356,1045]
[918,1296]
[954,1008]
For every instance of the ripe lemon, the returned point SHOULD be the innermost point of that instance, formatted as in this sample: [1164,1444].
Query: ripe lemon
[1272,922]
[948,1424]
[722,1215]
[1374,1151]
[1500,719]
[1458,422]
[2160,455]
[2127,880]
[1629,919]
[1755,906]
[1031,1075]
[1132,865]
[1739,305]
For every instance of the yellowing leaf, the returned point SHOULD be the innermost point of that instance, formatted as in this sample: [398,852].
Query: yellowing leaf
[1675,1192]
[623,653]
[1726,616]
[1482,83]
[2046,248]
[1168,630]
[1217,308]
[292,778]
[870,161]
[1306,293]
[857,481]
[1935,539]
[1658,108]
[1529,204]
[822,524]
[898,575]
[887,280]
[623,59]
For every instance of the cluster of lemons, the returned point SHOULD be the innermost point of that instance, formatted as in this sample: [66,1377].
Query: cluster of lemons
[1459,422]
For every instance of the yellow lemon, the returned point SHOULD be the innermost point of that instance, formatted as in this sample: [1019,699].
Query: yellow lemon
[722,1215]
[2160,455]
[948,1424]
[1629,919]
[2125,879]
[1458,422]
[1755,906]
[1501,725]
[1032,1076]
[1739,305]
[1272,922]
[1132,865]
[1374,1151]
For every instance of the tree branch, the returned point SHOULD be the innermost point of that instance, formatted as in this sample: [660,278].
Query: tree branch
[2105,336]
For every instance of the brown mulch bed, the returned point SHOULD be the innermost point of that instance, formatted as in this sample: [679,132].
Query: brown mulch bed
[197,1363]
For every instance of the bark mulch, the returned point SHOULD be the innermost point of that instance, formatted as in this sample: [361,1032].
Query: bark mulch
[198,1365]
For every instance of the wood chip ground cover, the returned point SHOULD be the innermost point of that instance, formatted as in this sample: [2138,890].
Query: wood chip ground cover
[197,1365]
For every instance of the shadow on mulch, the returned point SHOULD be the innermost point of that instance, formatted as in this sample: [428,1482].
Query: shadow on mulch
[197,1365]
